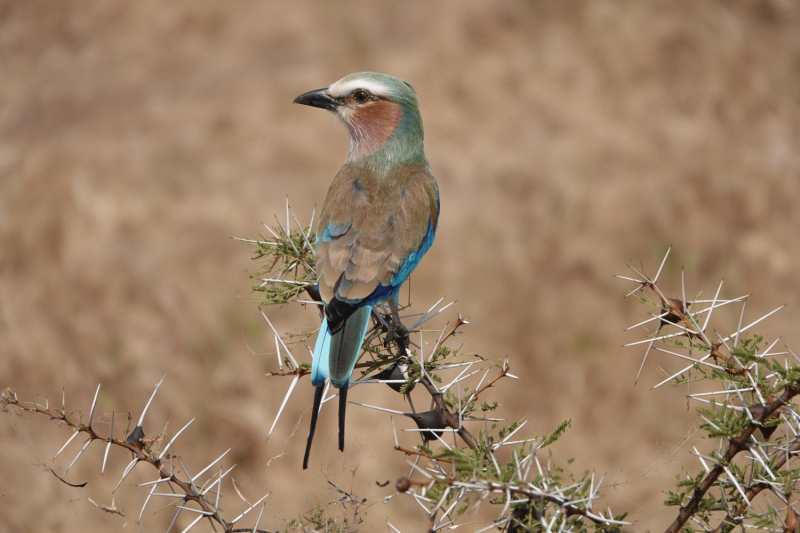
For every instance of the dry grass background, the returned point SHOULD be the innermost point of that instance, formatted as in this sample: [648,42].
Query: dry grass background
[568,138]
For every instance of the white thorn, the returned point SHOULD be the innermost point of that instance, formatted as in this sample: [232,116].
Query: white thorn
[164,451]
[146,407]
[94,404]
[292,385]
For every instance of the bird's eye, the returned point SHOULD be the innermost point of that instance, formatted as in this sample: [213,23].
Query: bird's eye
[361,96]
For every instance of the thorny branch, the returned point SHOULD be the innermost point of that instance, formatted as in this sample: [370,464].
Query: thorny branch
[405,484]
[163,463]
[503,373]
[756,489]
[419,453]
[739,370]
[736,445]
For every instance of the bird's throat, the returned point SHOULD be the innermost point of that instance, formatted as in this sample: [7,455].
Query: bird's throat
[376,133]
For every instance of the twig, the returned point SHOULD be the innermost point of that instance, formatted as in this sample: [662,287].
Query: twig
[736,445]
[161,464]
[408,451]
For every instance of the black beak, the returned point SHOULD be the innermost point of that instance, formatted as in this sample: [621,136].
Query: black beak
[318,98]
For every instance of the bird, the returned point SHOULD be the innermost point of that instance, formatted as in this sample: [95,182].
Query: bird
[378,219]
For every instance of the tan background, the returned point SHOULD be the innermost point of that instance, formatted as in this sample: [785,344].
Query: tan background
[568,139]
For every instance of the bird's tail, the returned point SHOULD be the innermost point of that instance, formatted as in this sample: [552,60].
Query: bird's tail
[342,409]
[315,411]
[319,374]
[334,358]
[345,347]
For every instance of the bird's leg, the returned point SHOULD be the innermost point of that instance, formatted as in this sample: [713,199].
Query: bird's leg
[398,332]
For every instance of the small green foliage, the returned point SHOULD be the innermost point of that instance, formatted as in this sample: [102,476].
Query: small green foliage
[770,520]
[722,422]
[789,373]
[317,519]
[487,407]
[674,499]
[508,429]
[278,293]
[686,484]
[562,428]
[441,354]
[290,260]
[746,351]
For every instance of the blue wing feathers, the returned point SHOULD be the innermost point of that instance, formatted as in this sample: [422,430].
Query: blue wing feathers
[408,265]
[334,229]
[412,260]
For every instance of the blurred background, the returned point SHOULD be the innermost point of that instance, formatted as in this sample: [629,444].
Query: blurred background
[569,139]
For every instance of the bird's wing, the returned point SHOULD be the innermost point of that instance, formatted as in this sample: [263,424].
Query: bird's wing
[373,230]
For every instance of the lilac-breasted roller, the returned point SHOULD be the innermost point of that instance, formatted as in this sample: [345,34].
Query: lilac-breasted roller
[378,220]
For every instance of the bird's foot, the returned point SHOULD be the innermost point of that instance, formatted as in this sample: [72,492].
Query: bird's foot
[397,334]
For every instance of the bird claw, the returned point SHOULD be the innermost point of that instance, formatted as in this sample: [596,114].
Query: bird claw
[396,333]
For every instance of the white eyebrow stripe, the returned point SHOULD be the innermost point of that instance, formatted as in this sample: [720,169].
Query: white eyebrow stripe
[340,89]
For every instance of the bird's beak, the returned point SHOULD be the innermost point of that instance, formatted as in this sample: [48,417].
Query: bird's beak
[318,98]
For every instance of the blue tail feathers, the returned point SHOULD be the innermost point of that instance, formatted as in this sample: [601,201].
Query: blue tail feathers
[314,412]
[322,353]
[334,358]
[345,345]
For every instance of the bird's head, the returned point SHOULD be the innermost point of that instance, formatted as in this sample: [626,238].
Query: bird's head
[380,112]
